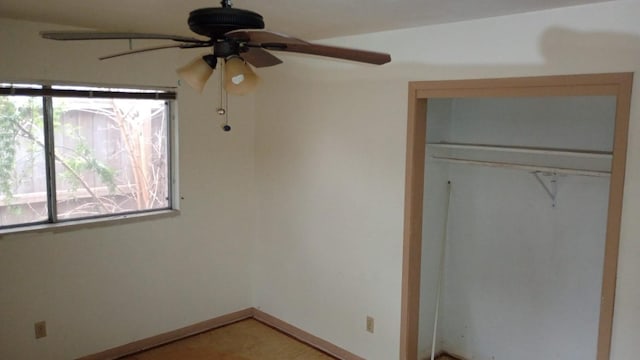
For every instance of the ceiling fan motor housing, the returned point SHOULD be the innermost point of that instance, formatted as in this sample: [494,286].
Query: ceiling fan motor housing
[215,22]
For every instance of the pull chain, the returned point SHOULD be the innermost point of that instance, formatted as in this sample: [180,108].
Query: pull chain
[224,98]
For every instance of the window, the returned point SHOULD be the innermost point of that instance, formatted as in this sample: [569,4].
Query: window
[69,153]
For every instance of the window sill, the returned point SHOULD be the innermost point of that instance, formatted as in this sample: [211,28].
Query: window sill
[89,223]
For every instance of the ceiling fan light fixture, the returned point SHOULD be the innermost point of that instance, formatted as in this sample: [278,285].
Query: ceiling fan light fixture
[239,77]
[197,72]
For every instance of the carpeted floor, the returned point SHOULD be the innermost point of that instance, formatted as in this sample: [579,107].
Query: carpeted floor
[244,340]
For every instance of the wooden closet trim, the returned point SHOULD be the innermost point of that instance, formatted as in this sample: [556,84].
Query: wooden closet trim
[614,84]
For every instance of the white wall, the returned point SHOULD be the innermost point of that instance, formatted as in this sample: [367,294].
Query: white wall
[330,152]
[102,287]
[561,122]
[522,279]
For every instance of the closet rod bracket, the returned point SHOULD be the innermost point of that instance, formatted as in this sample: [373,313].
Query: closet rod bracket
[552,188]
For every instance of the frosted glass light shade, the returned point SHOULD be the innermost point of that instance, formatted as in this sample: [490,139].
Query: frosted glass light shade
[239,78]
[196,73]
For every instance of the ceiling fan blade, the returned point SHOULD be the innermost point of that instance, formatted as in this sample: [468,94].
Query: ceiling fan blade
[259,57]
[129,52]
[93,35]
[363,56]
[260,36]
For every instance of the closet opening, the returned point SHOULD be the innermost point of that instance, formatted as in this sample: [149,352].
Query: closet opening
[513,201]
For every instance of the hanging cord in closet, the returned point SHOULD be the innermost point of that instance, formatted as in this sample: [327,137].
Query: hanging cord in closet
[441,270]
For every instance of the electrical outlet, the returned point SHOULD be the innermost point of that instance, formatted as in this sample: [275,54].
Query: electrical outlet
[370,324]
[40,329]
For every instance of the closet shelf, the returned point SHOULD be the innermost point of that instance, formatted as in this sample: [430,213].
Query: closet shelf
[525,150]
[533,168]
[534,159]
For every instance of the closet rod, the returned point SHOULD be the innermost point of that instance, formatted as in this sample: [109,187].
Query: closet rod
[550,169]
[524,149]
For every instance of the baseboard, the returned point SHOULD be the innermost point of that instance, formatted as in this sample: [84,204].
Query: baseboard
[444,355]
[171,336]
[304,336]
[175,335]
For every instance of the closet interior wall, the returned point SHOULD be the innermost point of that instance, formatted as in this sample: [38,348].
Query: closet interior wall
[523,273]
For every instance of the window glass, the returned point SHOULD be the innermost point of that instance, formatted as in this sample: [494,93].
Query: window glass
[20,86]
[113,90]
[111,156]
[23,182]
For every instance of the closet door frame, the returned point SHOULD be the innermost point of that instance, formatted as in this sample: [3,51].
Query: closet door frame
[613,84]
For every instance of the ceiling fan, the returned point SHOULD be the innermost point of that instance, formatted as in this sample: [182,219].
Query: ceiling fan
[233,37]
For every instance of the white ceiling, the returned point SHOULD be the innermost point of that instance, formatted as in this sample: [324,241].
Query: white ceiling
[306,19]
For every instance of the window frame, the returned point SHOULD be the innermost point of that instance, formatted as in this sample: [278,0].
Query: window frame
[48,91]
